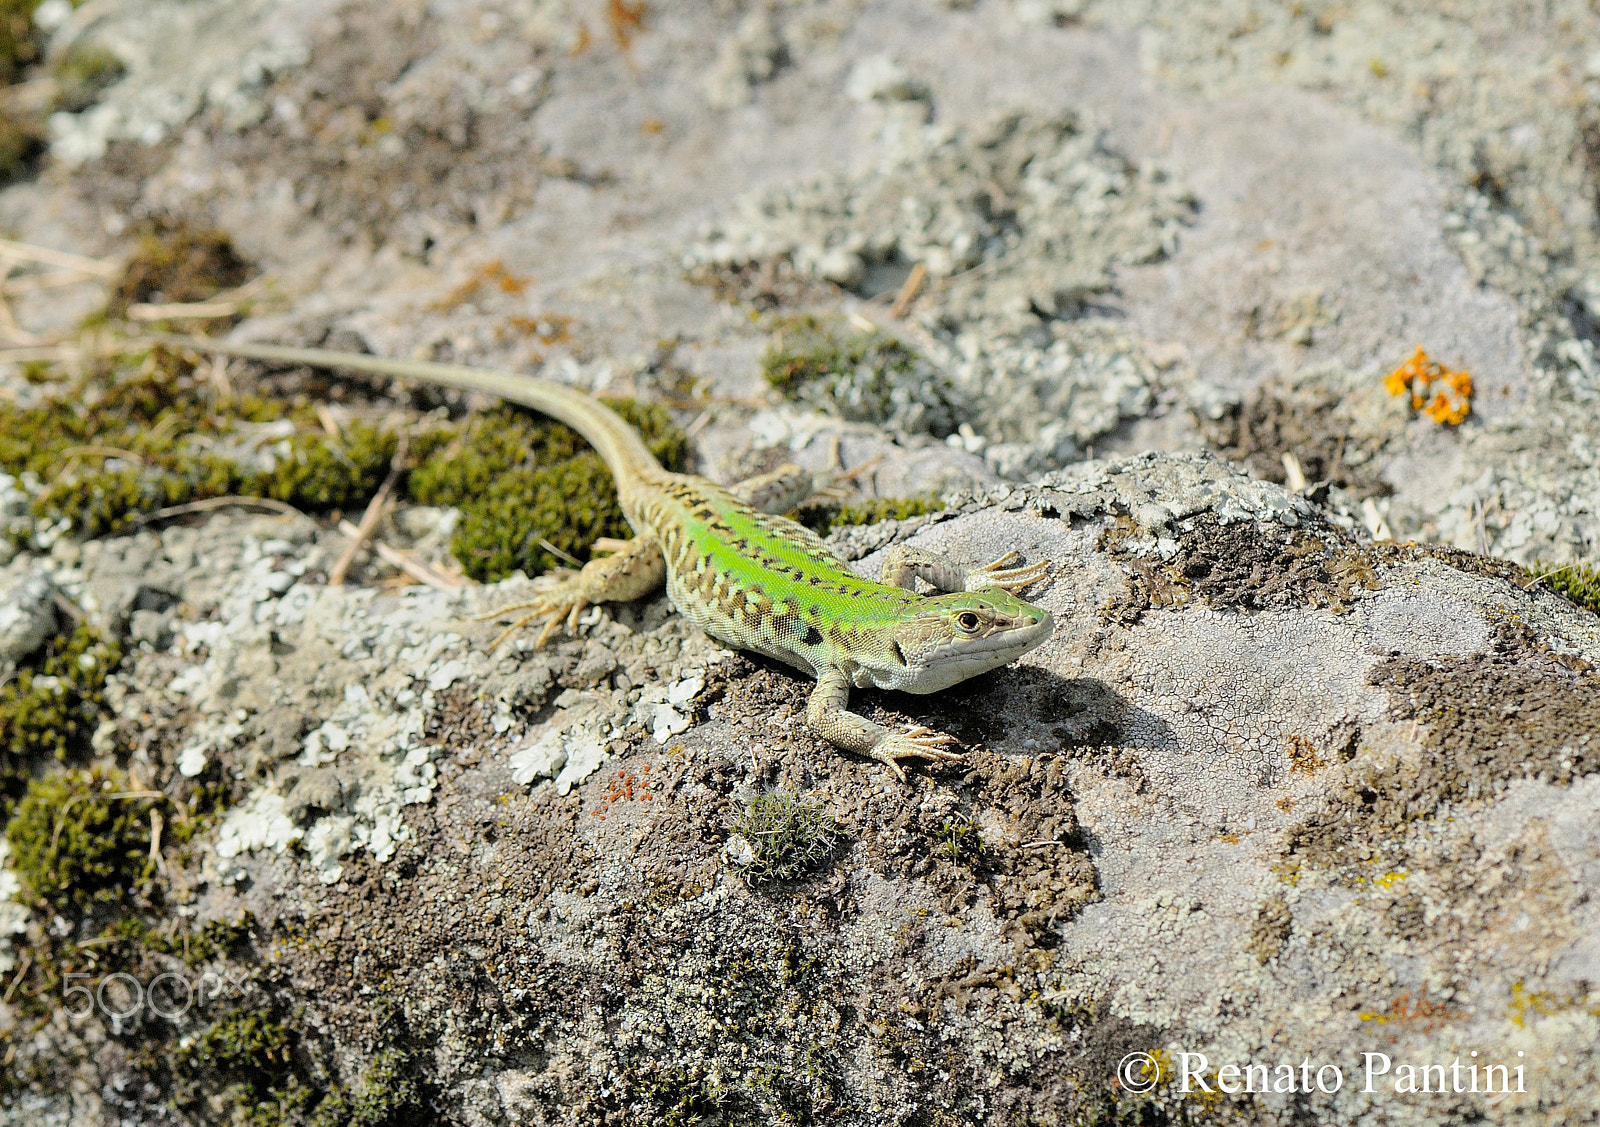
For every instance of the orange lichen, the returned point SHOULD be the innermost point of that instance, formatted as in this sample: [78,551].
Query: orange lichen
[549,329]
[1441,393]
[625,20]
[625,786]
[490,276]
[1419,1012]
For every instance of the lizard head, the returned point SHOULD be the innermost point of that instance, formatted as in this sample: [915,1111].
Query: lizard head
[953,637]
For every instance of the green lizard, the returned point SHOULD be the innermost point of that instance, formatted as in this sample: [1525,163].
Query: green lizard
[750,578]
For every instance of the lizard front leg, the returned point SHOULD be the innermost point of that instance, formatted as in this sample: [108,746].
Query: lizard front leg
[827,716]
[635,569]
[777,491]
[904,564]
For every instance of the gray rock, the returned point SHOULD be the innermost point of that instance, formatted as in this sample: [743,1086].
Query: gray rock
[27,616]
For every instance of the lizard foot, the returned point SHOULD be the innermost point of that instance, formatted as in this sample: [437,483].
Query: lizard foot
[916,742]
[1000,573]
[551,609]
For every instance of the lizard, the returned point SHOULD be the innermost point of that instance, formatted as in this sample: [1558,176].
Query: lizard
[749,577]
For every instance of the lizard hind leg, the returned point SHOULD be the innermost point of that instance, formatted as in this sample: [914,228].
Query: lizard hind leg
[904,564]
[636,568]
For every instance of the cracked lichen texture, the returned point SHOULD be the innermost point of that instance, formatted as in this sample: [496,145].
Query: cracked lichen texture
[1253,830]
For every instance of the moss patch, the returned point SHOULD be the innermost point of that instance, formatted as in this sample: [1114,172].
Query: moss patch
[51,706]
[83,73]
[123,441]
[174,262]
[822,518]
[81,838]
[1239,566]
[530,490]
[20,42]
[261,1069]
[828,363]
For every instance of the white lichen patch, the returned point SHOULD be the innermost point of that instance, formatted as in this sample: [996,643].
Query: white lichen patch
[13,915]
[1019,227]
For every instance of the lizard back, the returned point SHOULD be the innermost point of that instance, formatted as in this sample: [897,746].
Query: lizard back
[762,582]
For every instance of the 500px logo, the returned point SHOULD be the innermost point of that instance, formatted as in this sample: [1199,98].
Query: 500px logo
[120,996]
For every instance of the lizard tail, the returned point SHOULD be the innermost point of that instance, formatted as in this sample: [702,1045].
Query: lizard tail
[621,447]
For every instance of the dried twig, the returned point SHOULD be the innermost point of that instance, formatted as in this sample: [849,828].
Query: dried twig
[209,503]
[415,568]
[374,513]
[908,292]
[22,971]
[195,310]
[46,256]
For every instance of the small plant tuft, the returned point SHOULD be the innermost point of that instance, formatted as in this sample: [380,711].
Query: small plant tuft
[789,838]
[959,841]
[1579,583]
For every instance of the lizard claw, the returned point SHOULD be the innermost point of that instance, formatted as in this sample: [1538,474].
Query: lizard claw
[1000,573]
[549,609]
[917,741]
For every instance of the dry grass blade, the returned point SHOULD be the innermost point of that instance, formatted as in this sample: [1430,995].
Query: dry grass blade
[46,256]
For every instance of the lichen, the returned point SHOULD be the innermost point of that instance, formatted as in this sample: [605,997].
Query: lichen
[789,838]
[81,839]
[1444,395]
[830,363]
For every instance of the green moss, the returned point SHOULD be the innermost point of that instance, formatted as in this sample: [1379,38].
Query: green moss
[791,838]
[174,262]
[250,1056]
[1578,582]
[319,472]
[118,444]
[20,42]
[79,839]
[50,707]
[391,1094]
[83,73]
[264,1071]
[823,519]
[211,940]
[827,362]
[530,490]
[677,1096]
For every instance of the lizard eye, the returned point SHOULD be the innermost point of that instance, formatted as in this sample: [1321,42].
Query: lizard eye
[967,621]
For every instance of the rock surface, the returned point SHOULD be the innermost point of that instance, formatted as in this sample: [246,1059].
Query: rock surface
[1280,790]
